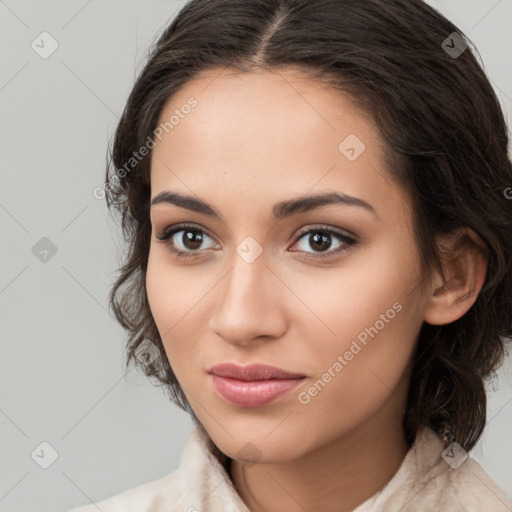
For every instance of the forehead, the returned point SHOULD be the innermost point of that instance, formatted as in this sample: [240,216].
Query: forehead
[268,134]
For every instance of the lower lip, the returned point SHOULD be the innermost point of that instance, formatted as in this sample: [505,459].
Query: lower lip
[252,393]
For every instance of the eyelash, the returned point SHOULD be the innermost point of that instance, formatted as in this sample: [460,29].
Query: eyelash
[349,242]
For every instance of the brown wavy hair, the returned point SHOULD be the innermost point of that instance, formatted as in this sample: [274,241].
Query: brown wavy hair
[446,143]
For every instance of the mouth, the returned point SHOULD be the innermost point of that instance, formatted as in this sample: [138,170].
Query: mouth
[253,372]
[254,385]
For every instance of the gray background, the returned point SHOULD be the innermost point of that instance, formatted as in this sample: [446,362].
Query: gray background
[62,378]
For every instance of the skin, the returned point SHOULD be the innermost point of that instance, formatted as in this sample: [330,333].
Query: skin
[253,140]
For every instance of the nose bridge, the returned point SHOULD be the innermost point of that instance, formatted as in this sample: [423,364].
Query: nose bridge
[245,286]
[247,303]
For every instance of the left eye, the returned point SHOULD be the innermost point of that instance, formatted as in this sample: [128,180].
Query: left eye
[321,240]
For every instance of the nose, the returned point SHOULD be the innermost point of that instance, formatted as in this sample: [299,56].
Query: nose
[250,303]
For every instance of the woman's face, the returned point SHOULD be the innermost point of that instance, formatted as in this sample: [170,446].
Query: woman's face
[262,283]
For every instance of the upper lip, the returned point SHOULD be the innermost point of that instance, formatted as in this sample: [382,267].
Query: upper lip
[252,372]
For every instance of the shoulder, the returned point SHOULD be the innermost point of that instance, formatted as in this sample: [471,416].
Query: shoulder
[433,478]
[197,481]
[453,480]
[468,487]
[146,497]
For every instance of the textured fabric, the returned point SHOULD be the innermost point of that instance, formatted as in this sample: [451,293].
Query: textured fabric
[424,482]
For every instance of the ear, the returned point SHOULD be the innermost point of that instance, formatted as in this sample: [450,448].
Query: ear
[463,260]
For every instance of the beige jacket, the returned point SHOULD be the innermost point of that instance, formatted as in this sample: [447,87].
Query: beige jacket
[426,481]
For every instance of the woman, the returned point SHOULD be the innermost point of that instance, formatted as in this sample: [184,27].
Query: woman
[314,194]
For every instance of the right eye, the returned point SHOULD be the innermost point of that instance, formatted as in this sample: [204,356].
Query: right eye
[183,240]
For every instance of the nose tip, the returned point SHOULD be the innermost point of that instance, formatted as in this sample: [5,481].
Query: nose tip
[247,305]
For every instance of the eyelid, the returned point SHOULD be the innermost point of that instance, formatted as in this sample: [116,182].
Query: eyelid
[344,236]
[325,227]
[303,230]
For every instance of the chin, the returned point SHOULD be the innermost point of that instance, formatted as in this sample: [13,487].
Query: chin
[258,447]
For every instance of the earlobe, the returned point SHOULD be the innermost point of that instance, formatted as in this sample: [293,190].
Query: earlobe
[464,264]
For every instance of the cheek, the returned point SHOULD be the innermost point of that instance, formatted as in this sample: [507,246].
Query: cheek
[373,312]
[352,297]
[166,304]
[172,291]
[177,298]
[356,374]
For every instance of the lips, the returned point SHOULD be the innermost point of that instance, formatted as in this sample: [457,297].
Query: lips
[254,385]
[252,372]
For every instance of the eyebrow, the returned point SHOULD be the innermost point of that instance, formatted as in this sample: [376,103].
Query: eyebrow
[279,211]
